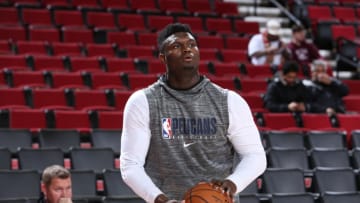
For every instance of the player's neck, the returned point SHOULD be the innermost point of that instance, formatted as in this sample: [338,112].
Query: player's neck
[183,83]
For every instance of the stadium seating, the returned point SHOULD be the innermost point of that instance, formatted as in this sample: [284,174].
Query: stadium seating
[289,158]
[293,198]
[68,18]
[355,139]
[116,5]
[334,180]
[32,119]
[251,189]
[340,197]
[13,33]
[101,138]
[326,140]
[13,139]
[278,121]
[19,184]
[31,47]
[66,80]
[84,184]
[66,49]
[39,17]
[48,63]
[114,186]
[11,61]
[50,99]
[219,26]
[284,181]
[246,28]
[96,159]
[101,20]
[285,139]
[12,98]
[44,34]
[9,16]
[330,158]
[63,139]
[196,23]
[249,199]
[39,159]
[156,23]
[316,121]
[226,9]
[349,122]
[122,199]
[5,158]
[110,120]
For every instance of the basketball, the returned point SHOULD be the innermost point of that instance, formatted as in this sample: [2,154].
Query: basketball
[205,192]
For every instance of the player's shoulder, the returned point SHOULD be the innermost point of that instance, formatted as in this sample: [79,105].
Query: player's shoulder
[136,97]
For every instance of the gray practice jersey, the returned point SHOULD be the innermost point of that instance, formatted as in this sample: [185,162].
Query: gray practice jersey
[188,142]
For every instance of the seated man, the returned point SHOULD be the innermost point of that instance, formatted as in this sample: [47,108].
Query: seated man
[267,48]
[56,185]
[301,51]
[287,93]
[326,91]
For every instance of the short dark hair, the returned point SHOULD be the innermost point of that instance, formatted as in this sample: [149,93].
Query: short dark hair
[169,30]
[289,67]
[297,28]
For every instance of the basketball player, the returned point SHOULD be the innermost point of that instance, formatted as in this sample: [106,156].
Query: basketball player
[184,129]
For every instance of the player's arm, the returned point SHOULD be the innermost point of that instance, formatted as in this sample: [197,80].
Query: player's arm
[255,48]
[245,138]
[135,141]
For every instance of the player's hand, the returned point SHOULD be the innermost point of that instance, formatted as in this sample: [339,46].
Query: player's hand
[173,201]
[65,200]
[301,107]
[226,185]
[324,78]
[292,106]
[271,50]
[164,199]
[330,111]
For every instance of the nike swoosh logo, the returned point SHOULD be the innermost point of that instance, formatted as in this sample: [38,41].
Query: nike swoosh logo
[188,144]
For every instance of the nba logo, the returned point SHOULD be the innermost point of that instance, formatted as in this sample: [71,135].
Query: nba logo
[166,128]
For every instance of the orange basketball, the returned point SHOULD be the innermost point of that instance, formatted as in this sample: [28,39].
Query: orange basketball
[204,192]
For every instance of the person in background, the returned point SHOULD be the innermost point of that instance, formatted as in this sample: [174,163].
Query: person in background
[287,93]
[326,91]
[184,129]
[56,185]
[301,51]
[266,47]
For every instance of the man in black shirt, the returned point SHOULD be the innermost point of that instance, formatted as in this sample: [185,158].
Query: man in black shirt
[287,93]
[326,91]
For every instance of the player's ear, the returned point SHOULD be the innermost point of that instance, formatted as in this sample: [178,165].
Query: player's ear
[162,58]
[43,188]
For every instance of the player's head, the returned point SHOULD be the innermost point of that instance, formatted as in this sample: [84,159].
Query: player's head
[56,183]
[178,49]
[273,29]
[318,67]
[299,33]
[170,30]
[290,71]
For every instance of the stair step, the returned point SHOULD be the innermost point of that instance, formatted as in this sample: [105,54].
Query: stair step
[249,2]
[262,20]
[259,11]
